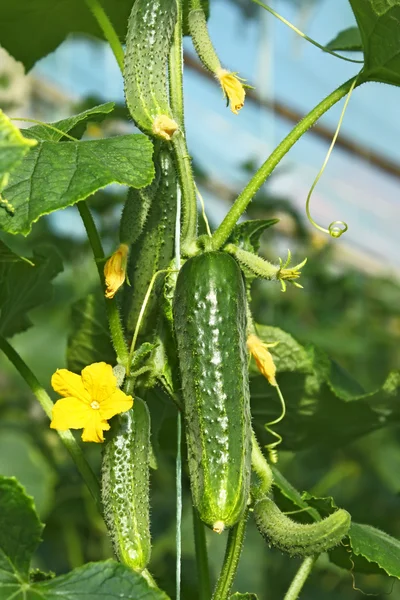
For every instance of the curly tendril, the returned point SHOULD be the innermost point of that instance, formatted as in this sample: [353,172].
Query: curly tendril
[336,228]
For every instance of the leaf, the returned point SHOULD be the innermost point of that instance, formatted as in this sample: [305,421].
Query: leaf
[23,287]
[247,235]
[246,596]
[379,24]
[292,494]
[8,256]
[54,175]
[20,531]
[13,147]
[76,124]
[89,340]
[348,40]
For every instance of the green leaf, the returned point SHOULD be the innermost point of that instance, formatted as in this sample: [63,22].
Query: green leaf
[89,340]
[75,124]
[247,235]
[20,531]
[379,24]
[23,287]
[8,256]
[292,494]
[348,40]
[246,596]
[54,175]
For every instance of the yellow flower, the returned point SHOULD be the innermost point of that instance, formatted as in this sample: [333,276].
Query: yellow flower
[90,399]
[232,88]
[263,357]
[115,270]
[164,127]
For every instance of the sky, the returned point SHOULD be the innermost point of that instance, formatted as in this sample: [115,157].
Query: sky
[281,66]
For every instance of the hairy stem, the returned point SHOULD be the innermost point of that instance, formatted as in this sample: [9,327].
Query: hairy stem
[46,403]
[203,574]
[300,578]
[225,228]
[114,321]
[231,559]
[109,32]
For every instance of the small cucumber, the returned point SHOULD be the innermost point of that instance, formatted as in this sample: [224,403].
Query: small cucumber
[125,486]
[298,539]
[154,248]
[210,325]
[135,212]
[150,30]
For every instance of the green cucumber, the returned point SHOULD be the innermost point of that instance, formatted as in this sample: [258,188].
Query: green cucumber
[153,251]
[210,326]
[135,212]
[299,539]
[125,486]
[150,30]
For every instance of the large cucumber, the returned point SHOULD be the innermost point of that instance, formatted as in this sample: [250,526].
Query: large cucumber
[125,486]
[153,250]
[210,325]
[299,539]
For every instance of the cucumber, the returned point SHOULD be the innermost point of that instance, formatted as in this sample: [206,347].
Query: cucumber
[210,325]
[150,30]
[125,486]
[298,539]
[154,248]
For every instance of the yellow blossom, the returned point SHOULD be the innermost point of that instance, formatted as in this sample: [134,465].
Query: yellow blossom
[232,88]
[89,400]
[263,357]
[115,270]
[164,127]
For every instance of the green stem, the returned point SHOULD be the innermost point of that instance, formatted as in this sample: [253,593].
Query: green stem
[261,467]
[109,32]
[300,578]
[224,230]
[46,403]
[231,559]
[203,574]
[114,321]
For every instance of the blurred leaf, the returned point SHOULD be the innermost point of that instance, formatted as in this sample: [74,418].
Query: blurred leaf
[348,40]
[75,124]
[89,340]
[54,175]
[292,494]
[23,287]
[379,24]
[246,596]
[20,458]
[247,235]
[8,256]
[13,147]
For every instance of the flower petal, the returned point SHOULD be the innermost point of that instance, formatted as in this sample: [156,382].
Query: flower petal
[99,381]
[69,384]
[117,403]
[70,413]
[93,431]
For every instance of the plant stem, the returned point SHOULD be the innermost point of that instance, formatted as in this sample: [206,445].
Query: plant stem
[109,32]
[114,321]
[225,228]
[261,467]
[300,578]
[203,574]
[46,403]
[231,559]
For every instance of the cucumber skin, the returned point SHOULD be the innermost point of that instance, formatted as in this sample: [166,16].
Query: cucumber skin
[300,539]
[210,326]
[125,486]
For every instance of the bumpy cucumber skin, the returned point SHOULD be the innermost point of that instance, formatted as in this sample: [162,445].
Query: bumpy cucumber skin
[135,212]
[150,29]
[295,538]
[210,326]
[125,486]
[154,249]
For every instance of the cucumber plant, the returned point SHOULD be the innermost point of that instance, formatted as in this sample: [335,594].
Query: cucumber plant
[179,324]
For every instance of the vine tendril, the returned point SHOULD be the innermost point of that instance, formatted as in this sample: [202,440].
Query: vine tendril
[271,448]
[336,228]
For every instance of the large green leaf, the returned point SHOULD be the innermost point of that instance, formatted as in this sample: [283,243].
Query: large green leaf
[75,124]
[379,24]
[89,340]
[13,147]
[24,286]
[54,175]
[348,40]
[20,531]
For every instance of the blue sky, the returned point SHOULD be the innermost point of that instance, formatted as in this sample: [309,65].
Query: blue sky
[285,67]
